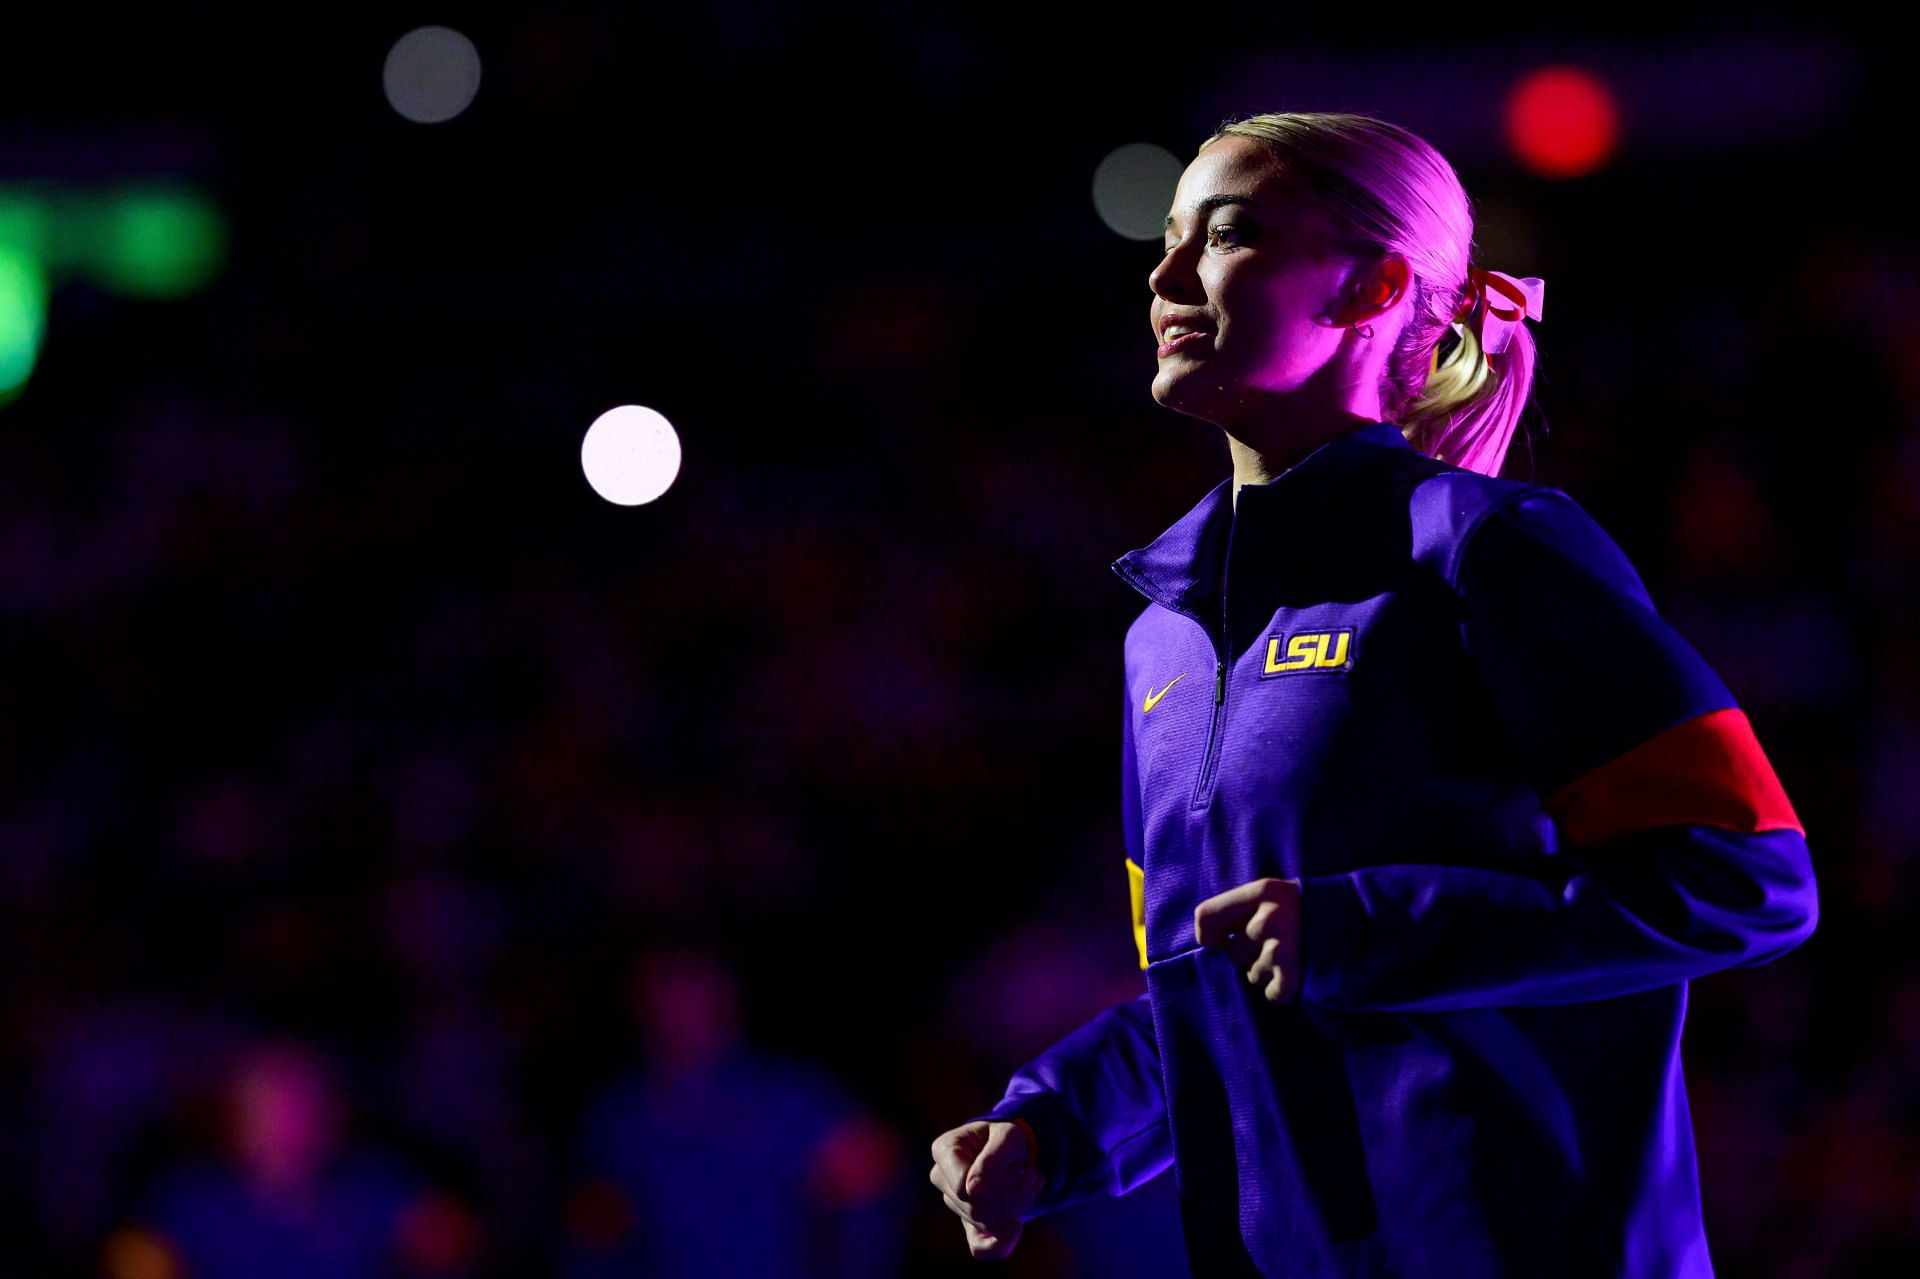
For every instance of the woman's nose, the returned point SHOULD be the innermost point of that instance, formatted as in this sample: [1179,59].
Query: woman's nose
[1173,279]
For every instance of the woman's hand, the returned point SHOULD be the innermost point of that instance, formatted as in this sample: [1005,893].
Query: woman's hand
[980,1171]
[1258,925]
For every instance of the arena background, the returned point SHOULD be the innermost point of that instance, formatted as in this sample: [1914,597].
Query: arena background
[413,863]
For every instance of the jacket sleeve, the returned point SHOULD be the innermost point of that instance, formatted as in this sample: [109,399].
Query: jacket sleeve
[1094,1099]
[1678,852]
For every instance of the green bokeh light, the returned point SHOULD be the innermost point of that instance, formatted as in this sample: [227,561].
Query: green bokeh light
[23,318]
[158,242]
[23,224]
[151,239]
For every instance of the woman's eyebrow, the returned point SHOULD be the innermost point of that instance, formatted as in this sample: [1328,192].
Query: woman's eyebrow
[1209,204]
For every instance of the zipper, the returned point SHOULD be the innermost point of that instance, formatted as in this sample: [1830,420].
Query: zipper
[1203,789]
[1203,786]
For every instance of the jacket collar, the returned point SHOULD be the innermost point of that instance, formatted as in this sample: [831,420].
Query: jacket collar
[1184,568]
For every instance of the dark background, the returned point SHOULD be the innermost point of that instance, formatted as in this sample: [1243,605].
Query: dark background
[344,725]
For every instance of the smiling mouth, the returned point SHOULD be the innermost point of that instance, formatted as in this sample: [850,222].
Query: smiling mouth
[1180,343]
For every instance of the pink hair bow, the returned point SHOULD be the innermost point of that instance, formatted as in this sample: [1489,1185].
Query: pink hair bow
[1493,324]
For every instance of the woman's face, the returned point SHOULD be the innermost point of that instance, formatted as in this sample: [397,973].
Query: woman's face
[1255,269]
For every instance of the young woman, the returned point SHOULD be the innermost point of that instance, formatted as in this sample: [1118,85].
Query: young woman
[1430,817]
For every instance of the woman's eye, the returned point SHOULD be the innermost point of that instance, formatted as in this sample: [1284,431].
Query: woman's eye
[1233,237]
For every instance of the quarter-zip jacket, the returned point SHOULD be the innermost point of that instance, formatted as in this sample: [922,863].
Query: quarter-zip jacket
[1523,812]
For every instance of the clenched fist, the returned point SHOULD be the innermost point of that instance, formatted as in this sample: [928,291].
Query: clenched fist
[1258,925]
[980,1169]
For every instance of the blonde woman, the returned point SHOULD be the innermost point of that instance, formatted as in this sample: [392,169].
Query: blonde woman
[1430,817]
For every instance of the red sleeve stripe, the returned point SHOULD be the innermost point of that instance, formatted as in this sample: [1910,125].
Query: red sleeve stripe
[1707,771]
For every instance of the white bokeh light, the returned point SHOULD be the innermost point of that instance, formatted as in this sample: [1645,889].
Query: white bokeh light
[631,455]
[1133,189]
[431,74]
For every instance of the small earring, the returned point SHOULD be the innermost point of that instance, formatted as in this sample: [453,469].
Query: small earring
[1364,330]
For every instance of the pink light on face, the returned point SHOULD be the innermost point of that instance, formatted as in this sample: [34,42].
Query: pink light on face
[1562,122]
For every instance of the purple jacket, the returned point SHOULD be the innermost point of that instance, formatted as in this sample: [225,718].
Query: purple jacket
[1524,813]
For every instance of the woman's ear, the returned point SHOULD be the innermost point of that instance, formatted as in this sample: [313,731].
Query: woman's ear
[1378,290]
[1389,282]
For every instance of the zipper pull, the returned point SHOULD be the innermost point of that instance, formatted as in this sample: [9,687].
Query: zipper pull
[1219,681]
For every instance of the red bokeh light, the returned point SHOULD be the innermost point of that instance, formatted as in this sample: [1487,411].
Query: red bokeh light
[1562,122]
[599,1215]
[438,1234]
[855,1163]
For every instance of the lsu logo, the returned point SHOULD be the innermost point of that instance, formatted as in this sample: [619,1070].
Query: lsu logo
[1309,651]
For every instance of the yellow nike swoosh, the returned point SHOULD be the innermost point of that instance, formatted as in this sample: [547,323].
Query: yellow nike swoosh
[1153,698]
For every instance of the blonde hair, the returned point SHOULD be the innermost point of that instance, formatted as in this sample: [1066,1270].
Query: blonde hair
[1399,195]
